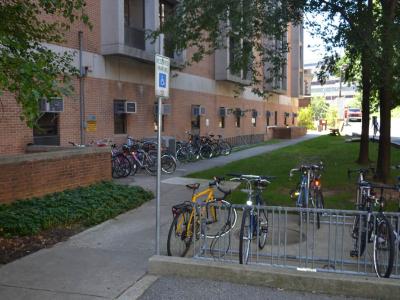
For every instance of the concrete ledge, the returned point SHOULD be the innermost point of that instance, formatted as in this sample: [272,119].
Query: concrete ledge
[326,283]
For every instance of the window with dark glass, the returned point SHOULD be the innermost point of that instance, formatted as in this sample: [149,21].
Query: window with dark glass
[119,117]
[47,130]
[195,121]
[276,118]
[134,12]
[238,114]
[268,114]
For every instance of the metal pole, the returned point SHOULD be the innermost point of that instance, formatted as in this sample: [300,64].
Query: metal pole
[158,185]
[340,84]
[81,90]
[158,175]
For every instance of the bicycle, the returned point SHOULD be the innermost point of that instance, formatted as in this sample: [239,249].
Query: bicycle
[308,190]
[215,218]
[373,228]
[254,219]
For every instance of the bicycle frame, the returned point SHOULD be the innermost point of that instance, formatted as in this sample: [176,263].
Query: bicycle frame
[209,192]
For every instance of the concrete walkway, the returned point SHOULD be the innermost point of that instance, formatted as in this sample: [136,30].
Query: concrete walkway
[106,261]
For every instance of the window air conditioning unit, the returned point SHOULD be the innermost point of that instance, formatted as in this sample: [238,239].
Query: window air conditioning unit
[223,112]
[166,109]
[268,114]
[198,111]
[286,114]
[130,107]
[294,115]
[55,105]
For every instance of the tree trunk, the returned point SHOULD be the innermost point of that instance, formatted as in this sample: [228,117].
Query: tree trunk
[363,155]
[386,88]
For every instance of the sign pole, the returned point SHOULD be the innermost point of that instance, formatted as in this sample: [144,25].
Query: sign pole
[162,68]
[158,188]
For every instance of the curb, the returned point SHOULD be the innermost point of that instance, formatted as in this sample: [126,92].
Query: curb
[273,277]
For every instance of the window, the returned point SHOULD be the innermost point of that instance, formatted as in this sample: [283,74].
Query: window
[195,122]
[238,114]
[268,114]
[47,132]
[156,118]
[134,23]
[119,117]
[276,118]
[134,13]
[222,122]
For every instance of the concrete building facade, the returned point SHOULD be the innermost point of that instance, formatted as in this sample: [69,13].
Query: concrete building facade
[117,89]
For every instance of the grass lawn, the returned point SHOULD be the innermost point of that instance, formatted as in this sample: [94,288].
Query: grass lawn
[337,156]
[244,147]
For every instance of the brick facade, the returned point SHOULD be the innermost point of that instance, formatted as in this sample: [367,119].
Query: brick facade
[116,77]
[38,174]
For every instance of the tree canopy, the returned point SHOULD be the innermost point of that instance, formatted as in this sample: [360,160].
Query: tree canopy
[28,69]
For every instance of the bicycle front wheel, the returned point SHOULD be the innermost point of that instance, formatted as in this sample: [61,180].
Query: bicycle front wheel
[221,218]
[319,203]
[180,234]
[245,237]
[168,164]
[383,247]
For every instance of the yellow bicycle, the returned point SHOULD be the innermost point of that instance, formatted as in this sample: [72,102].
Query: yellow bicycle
[215,218]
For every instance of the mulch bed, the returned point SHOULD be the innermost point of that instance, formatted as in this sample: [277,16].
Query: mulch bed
[17,247]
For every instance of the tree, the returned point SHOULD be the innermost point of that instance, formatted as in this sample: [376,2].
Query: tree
[369,30]
[28,69]
[319,107]
[256,31]
[306,118]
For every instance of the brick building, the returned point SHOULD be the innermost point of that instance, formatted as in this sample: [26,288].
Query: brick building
[119,69]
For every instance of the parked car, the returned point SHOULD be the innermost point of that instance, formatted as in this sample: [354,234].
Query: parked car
[353,114]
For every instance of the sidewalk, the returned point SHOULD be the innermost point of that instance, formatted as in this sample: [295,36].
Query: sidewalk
[105,261]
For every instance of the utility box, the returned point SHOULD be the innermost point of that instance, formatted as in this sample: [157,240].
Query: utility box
[168,142]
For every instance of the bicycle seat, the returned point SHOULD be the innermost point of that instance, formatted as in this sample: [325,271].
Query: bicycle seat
[193,186]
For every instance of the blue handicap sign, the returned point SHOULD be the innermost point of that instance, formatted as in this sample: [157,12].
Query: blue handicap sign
[162,80]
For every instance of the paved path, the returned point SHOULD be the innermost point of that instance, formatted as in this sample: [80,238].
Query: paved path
[106,260]
[186,288]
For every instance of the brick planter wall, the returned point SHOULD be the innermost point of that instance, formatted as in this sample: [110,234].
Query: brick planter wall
[28,175]
[287,132]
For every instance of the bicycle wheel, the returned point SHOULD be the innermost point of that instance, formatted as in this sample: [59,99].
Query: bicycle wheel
[182,155]
[205,151]
[179,237]
[168,164]
[319,203]
[221,218]
[132,163]
[122,166]
[262,228]
[150,164]
[359,235]
[225,147]
[383,247]
[245,237]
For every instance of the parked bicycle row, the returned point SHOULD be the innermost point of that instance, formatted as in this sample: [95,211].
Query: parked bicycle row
[201,147]
[215,218]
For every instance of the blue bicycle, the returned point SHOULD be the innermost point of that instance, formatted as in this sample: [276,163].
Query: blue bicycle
[254,219]
[308,190]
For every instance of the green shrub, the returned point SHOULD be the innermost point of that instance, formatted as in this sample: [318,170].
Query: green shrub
[86,206]
[306,118]
[332,116]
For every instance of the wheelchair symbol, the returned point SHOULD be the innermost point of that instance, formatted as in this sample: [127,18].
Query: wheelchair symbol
[162,80]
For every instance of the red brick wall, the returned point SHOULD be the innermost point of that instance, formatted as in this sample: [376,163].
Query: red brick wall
[37,174]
